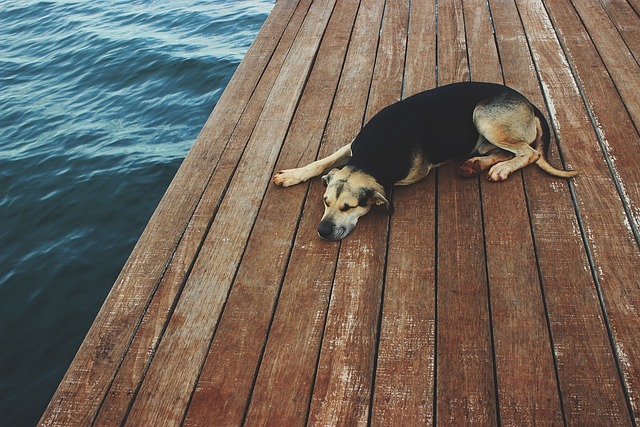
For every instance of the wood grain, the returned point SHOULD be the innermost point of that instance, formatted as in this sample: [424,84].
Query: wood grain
[621,64]
[465,381]
[613,123]
[627,22]
[124,387]
[603,220]
[404,378]
[527,389]
[591,391]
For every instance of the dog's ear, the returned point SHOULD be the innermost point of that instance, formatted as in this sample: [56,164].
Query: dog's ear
[326,179]
[378,198]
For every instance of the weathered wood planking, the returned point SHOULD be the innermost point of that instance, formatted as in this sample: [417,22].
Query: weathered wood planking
[635,5]
[603,219]
[627,22]
[465,378]
[608,109]
[591,390]
[527,387]
[404,378]
[621,64]
[512,303]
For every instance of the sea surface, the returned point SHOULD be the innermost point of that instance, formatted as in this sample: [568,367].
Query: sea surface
[99,103]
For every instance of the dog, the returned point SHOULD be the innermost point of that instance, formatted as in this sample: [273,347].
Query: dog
[404,141]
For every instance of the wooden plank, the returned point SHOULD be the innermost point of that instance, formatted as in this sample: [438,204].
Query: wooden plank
[420,67]
[612,247]
[404,378]
[527,388]
[171,377]
[286,373]
[139,354]
[465,383]
[452,35]
[484,63]
[343,384]
[405,369]
[617,134]
[614,126]
[84,386]
[591,390]
[344,379]
[464,362]
[621,65]
[635,4]
[627,22]
[224,386]
[285,379]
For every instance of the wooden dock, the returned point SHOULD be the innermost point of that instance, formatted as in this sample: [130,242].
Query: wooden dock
[512,303]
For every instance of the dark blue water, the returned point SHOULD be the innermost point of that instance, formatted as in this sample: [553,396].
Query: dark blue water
[99,103]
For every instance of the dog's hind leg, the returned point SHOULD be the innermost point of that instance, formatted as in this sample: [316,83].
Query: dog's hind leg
[289,177]
[510,125]
[475,165]
[524,156]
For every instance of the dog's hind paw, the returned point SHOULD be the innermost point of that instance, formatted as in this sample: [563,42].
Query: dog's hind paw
[500,172]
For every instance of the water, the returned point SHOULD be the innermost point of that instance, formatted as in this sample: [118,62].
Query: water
[99,104]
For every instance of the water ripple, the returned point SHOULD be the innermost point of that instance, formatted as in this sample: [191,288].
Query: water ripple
[99,103]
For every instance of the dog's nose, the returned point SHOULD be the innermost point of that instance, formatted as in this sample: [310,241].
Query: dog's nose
[325,229]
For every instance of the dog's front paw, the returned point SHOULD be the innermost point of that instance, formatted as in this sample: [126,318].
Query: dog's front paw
[287,178]
[470,168]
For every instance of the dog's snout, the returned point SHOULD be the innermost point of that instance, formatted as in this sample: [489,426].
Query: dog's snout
[330,231]
[325,229]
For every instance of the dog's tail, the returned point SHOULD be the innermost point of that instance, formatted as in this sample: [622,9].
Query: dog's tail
[542,142]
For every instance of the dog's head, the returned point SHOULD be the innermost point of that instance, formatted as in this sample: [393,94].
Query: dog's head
[349,195]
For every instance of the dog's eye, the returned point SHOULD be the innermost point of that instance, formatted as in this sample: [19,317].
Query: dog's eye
[346,208]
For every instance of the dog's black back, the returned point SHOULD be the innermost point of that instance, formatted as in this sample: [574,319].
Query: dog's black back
[438,123]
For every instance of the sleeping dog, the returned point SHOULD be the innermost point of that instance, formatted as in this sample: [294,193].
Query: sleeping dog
[399,146]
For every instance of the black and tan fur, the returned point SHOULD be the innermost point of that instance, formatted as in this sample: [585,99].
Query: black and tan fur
[399,146]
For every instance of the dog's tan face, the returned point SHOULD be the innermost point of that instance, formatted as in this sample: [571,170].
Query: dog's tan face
[349,195]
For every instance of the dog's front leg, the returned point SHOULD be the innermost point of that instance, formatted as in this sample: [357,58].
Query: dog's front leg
[289,177]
